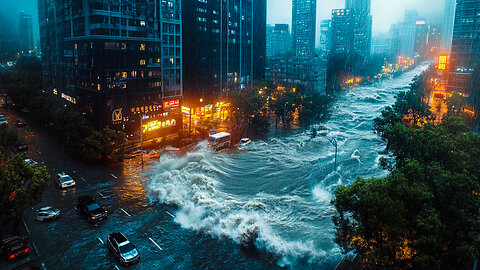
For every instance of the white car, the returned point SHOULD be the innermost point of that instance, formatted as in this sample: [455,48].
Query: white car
[30,162]
[47,213]
[64,180]
[3,120]
[244,143]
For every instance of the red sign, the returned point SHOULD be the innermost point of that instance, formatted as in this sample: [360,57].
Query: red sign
[171,104]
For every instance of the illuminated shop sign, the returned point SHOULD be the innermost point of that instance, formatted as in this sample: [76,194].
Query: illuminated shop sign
[55,92]
[69,98]
[117,115]
[186,110]
[146,109]
[155,125]
[171,104]
[442,62]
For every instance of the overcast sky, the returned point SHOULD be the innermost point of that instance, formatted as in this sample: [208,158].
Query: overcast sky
[384,12]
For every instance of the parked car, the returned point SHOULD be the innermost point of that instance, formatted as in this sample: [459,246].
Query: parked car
[123,250]
[30,161]
[64,180]
[20,123]
[47,213]
[89,208]
[3,120]
[15,247]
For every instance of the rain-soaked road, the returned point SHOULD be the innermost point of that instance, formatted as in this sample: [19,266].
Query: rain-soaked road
[198,207]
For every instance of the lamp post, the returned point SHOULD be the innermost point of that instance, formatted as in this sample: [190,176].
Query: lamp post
[285,117]
[333,141]
[141,138]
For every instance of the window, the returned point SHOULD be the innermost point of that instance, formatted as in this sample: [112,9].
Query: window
[142,47]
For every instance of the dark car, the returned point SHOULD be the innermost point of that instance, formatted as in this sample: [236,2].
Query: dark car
[88,207]
[123,250]
[22,148]
[15,247]
[20,123]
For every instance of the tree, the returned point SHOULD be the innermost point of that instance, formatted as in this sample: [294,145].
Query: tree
[21,185]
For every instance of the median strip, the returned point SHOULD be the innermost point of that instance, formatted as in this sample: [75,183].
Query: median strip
[125,212]
[155,243]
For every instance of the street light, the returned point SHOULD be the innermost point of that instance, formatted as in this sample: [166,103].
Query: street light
[141,137]
[285,109]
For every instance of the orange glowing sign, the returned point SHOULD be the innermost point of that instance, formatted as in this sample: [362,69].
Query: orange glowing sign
[154,125]
[171,104]
[442,62]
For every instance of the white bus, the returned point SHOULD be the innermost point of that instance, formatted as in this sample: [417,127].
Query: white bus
[220,140]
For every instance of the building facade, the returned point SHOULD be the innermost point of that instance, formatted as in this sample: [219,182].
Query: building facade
[325,36]
[341,33]
[465,52]
[117,61]
[448,22]
[279,40]
[224,47]
[25,33]
[308,72]
[304,14]
[407,34]
[362,24]
[421,38]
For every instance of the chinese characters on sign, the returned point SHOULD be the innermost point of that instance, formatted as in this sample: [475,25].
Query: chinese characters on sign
[442,62]
[171,104]
[154,125]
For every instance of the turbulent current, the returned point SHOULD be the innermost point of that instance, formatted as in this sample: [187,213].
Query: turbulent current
[277,194]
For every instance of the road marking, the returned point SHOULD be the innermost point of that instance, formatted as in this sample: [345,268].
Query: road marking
[83,179]
[155,243]
[26,228]
[170,214]
[43,266]
[101,241]
[113,176]
[99,193]
[35,249]
[117,267]
[125,212]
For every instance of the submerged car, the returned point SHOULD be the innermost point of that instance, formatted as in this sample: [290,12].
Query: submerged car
[3,120]
[90,209]
[15,247]
[244,143]
[123,250]
[47,213]
[64,180]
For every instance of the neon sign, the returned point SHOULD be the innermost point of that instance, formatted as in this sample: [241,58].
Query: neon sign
[117,115]
[69,98]
[155,125]
[442,62]
[171,104]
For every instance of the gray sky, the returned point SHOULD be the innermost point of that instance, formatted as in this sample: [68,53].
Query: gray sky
[384,12]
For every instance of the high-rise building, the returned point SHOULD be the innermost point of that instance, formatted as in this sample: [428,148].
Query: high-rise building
[342,26]
[434,42]
[325,35]
[25,33]
[117,61]
[381,44]
[224,46]
[8,41]
[352,28]
[465,53]
[407,34]
[421,38]
[394,35]
[448,21]
[303,26]
[279,40]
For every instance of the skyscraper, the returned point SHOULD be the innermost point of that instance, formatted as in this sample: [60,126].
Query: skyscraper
[465,53]
[325,35]
[224,46]
[407,34]
[342,34]
[279,39]
[448,21]
[421,38]
[362,24]
[362,6]
[303,26]
[116,61]
[25,33]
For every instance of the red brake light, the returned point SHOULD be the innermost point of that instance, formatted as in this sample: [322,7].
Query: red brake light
[26,250]
[11,256]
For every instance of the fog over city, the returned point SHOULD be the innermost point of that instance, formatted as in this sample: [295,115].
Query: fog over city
[384,12]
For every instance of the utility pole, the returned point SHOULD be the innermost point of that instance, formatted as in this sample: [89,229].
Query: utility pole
[141,138]
[333,141]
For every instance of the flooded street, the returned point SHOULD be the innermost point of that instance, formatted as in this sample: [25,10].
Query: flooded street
[193,211]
